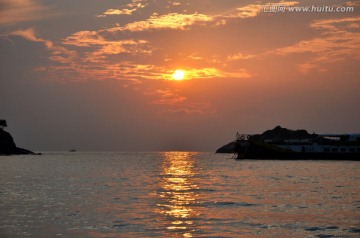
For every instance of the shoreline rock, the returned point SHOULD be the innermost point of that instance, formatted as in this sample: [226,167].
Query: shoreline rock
[228,148]
[278,133]
[8,146]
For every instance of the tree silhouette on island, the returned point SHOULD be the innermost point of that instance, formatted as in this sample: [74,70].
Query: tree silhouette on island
[3,124]
[7,144]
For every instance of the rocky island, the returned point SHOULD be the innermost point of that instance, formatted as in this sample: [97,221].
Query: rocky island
[277,134]
[282,143]
[7,144]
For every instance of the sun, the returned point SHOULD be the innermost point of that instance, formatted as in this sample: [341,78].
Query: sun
[178,75]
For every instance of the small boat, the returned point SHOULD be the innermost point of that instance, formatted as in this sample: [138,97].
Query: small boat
[282,143]
[72,150]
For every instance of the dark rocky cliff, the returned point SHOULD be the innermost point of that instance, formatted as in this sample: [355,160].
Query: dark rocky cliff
[277,134]
[228,148]
[8,146]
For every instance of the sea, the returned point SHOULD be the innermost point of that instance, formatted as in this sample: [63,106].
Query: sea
[176,194]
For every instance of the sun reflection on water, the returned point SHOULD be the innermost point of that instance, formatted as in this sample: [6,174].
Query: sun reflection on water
[178,192]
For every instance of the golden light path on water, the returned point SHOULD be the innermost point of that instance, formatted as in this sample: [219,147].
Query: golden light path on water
[178,192]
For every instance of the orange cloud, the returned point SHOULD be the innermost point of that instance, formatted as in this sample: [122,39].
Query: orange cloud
[180,21]
[74,65]
[62,55]
[333,24]
[337,42]
[187,108]
[29,34]
[93,38]
[103,47]
[129,9]
[118,12]
[14,11]
[58,54]
[168,21]
[240,56]
[204,73]
[84,38]
[95,54]
[253,10]
[185,111]
[79,69]
[353,4]
[168,97]
[171,102]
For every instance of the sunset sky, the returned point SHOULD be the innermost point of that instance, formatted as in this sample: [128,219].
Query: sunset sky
[100,74]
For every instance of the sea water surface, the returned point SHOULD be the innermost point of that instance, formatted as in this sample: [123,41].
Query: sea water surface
[176,194]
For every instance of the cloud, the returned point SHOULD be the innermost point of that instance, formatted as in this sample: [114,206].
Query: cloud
[188,108]
[111,54]
[253,10]
[117,12]
[129,9]
[339,40]
[169,21]
[90,55]
[240,56]
[204,73]
[250,10]
[182,111]
[29,34]
[336,24]
[352,4]
[15,11]
[182,21]
[93,38]
[168,97]
[94,65]
[102,48]
[172,102]
[57,53]
[79,69]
